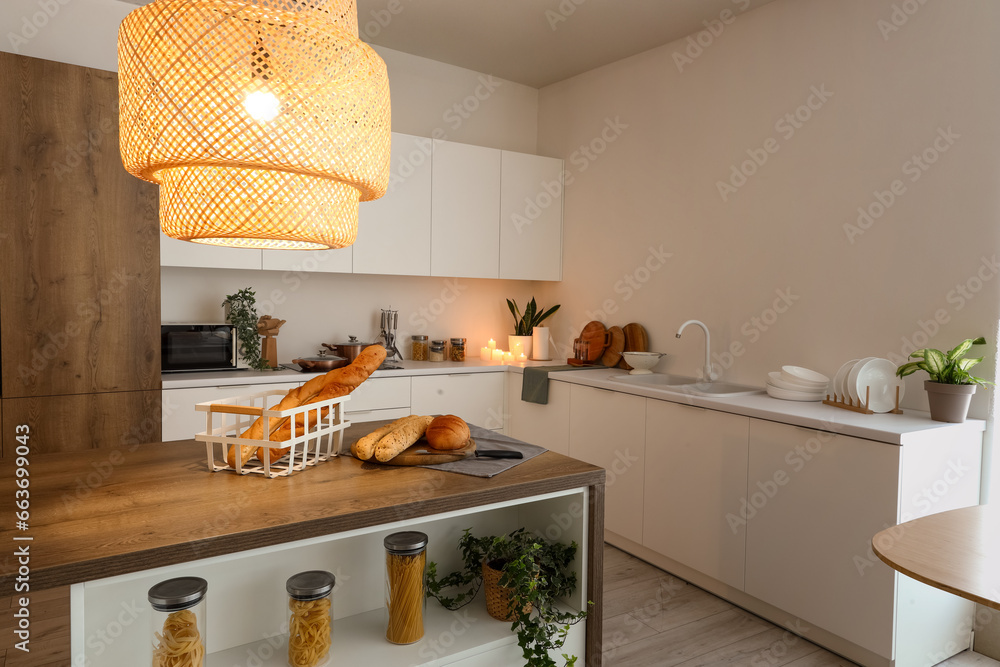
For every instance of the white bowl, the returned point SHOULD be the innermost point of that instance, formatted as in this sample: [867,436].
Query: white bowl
[782,382]
[804,376]
[786,395]
[641,362]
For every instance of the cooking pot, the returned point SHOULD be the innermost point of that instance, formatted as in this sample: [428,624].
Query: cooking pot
[322,362]
[349,350]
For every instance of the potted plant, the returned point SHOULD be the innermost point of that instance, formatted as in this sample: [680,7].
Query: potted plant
[525,324]
[241,311]
[950,387]
[534,573]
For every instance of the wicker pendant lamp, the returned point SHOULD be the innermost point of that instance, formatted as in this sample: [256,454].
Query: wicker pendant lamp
[264,122]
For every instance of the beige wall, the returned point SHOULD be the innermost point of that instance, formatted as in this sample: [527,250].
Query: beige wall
[683,124]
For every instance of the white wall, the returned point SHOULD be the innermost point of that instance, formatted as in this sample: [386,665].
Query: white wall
[663,135]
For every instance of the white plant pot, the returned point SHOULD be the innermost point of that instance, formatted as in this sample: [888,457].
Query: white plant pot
[525,344]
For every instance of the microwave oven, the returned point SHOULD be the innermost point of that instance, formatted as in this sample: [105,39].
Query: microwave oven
[198,347]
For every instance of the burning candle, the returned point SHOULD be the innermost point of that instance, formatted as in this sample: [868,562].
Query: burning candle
[497,355]
[492,344]
[517,350]
[522,359]
[508,358]
[485,354]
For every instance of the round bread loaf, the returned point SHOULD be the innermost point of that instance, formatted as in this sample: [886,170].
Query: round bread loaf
[447,432]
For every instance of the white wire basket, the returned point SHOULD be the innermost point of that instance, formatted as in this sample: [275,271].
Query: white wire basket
[320,439]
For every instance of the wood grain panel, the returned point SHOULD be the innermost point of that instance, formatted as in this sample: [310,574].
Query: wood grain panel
[79,252]
[49,642]
[83,421]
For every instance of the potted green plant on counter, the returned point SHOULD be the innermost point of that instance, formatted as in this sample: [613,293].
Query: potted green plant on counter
[531,573]
[951,386]
[241,311]
[524,324]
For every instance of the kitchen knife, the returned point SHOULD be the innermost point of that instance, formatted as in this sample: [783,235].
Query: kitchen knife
[498,454]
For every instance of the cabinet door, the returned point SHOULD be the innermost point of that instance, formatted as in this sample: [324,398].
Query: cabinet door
[608,429]
[545,425]
[339,260]
[465,211]
[815,499]
[475,397]
[394,232]
[181,421]
[200,255]
[531,190]
[695,475]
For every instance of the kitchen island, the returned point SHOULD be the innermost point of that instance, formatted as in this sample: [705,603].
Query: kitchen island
[107,522]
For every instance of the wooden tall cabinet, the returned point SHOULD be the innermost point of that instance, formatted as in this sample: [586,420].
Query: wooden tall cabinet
[79,264]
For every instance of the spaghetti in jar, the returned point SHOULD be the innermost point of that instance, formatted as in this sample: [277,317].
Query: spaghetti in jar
[310,626]
[178,622]
[405,557]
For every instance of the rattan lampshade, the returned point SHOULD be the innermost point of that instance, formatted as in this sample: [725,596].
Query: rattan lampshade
[263,122]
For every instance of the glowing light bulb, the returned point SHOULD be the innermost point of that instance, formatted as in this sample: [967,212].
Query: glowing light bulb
[262,105]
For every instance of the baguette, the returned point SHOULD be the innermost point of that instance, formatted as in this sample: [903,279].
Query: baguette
[396,441]
[345,379]
[364,448]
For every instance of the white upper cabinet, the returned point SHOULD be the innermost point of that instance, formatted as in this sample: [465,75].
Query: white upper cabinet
[394,232]
[531,212]
[465,211]
[185,253]
[309,261]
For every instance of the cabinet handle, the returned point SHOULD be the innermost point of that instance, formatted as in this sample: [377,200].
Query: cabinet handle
[234,386]
[359,412]
[691,407]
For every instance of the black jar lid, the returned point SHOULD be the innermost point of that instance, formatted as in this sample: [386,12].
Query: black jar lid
[177,594]
[419,337]
[458,341]
[310,585]
[405,543]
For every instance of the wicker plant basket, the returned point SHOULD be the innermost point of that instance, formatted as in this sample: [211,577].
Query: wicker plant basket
[497,596]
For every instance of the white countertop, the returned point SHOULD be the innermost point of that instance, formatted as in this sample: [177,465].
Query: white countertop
[911,426]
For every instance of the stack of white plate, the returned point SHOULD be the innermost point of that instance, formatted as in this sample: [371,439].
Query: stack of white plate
[794,383]
[872,377]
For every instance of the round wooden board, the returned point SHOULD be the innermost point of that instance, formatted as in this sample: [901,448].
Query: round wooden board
[595,334]
[421,454]
[613,353]
[636,340]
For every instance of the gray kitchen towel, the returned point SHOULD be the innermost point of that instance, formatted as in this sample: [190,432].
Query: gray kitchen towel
[535,384]
[482,467]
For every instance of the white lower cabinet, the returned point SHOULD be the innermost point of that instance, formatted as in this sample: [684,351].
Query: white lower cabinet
[181,421]
[815,500]
[545,425]
[695,476]
[248,606]
[379,398]
[475,397]
[607,429]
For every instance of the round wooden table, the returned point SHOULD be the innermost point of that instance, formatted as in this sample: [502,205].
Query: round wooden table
[957,551]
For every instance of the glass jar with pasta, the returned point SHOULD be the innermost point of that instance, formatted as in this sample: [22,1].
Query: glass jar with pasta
[310,627]
[178,622]
[405,557]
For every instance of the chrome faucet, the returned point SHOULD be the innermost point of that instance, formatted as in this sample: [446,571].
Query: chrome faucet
[708,371]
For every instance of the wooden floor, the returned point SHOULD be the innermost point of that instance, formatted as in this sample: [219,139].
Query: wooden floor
[653,618]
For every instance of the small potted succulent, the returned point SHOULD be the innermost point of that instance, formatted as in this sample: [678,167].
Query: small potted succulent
[524,324]
[950,387]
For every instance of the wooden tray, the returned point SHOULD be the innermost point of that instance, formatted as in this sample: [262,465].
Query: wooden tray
[613,353]
[636,340]
[421,454]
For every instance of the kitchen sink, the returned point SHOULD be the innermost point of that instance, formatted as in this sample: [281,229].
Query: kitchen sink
[680,384]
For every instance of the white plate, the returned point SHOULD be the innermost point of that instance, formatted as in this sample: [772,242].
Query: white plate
[840,380]
[804,375]
[781,382]
[851,383]
[879,376]
[786,395]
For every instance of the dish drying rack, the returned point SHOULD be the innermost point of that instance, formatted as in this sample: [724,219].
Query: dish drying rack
[322,433]
[847,403]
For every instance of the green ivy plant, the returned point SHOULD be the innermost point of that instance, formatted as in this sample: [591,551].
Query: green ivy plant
[946,368]
[537,572]
[241,311]
[532,317]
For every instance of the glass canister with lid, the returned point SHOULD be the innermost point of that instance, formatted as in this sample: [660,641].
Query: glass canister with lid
[418,351]
[310,625]
[436,351]
[458,349]
[405,558]
[178,622]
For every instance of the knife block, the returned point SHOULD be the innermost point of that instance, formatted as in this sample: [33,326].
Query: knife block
[269,351]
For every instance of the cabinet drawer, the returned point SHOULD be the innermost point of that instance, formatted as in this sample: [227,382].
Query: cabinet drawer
[475,397]
[380,394]
[181,421]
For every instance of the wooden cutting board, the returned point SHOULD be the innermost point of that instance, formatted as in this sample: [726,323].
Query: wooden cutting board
[595,334]
[636,340]
[421,454]
[613,353]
